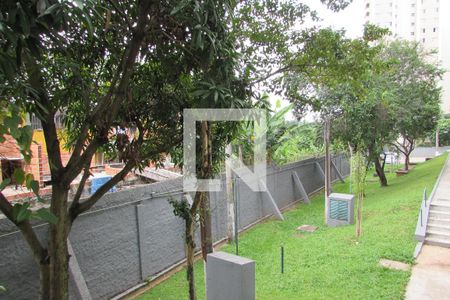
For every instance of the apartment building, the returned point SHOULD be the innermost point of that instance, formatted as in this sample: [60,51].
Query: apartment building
[424,21]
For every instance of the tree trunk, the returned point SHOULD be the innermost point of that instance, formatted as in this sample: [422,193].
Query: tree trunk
[58,250]
[44,274]
[205,226]
[190,252]
[406,162]
[327,164]
[360,200]
[380,172]
[206,172]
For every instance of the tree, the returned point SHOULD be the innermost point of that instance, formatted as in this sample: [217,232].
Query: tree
[366,123]
[342,81]
[304,140]
[359,172]
[271,35]
[443,128]
[417,96]
[107,66]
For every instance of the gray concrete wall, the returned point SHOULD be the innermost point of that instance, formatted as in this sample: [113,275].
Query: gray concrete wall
[133,234]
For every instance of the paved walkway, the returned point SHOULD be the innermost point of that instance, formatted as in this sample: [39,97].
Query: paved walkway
[430,278]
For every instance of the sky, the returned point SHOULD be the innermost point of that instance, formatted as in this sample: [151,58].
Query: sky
[351,19]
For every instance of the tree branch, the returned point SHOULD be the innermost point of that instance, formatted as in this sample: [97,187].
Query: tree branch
[79,208]
[399,147]
[108,108]
[39,252]
[86,174]
[264,78]
[77,163]
[48,123]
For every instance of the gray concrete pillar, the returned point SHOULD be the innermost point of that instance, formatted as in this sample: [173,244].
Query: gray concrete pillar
[229,277]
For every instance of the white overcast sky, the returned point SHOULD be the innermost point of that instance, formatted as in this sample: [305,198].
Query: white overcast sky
[351,19]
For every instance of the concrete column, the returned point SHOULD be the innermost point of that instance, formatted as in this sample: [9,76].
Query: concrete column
[230,196]
[229,277]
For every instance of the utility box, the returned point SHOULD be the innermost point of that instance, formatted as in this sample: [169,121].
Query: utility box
[229,277]
[341,209]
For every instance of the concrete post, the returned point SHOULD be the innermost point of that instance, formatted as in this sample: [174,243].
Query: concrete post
[229,277]
[300,187]
[230,196]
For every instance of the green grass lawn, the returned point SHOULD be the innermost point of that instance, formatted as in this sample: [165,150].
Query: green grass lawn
[329,263]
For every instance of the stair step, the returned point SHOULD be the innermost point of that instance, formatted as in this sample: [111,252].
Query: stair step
[437,221]
[438,227]
[437,242]
[440,205]
[441,199]
[438,234]
[439,214]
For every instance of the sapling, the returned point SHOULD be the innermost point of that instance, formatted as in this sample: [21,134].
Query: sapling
[359,171]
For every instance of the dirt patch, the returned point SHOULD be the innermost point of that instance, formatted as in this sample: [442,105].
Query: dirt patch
[394,265]
[307,228]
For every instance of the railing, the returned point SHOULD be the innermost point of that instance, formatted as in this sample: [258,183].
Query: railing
[421,228]
[422,222]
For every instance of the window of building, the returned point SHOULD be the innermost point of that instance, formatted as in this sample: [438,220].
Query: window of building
[437,9]
[413,24]
[423,40]
[434,29]
[413,5]
[367,14]
[423,30]
[412,33]
[424,11]
[367,5]
[35,123]
[413,14]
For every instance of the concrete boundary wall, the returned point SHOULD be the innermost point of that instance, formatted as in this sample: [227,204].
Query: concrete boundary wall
[131,235]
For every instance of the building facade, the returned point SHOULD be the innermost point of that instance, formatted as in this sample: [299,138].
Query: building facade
[423,21]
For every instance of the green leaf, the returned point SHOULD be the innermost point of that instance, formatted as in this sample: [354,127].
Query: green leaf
[2,289]
[19,175]
[4,183]
[40,199]
[24,20]
[50,10]
[45,215]
[28,179]
[35,187]
[23,212]
[179,7]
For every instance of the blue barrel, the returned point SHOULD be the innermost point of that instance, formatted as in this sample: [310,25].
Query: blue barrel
[98,181]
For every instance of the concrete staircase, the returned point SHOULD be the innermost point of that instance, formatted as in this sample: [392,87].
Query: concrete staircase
[438,229]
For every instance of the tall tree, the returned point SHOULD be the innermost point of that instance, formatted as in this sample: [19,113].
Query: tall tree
[416,103]
[340,79]
[106,65]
